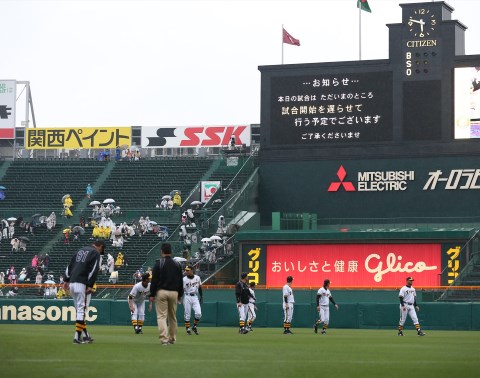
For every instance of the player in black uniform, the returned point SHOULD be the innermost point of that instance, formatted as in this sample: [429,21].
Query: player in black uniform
[242,293]
[80,277]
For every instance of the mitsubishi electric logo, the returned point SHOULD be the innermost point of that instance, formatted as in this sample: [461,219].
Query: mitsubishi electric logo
[375,181]
[347,185]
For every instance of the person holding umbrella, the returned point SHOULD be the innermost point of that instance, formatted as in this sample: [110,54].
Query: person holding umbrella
[89,191]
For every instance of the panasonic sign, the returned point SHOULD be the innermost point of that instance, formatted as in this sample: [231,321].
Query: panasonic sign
[42,313]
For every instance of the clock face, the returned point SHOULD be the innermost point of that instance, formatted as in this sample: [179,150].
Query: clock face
[421,22]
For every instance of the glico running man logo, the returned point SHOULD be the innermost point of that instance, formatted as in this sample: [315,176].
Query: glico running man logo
[347,185]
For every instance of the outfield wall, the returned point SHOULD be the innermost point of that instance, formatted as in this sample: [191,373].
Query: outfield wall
[444,316]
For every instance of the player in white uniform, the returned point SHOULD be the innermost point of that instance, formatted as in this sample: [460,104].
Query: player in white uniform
[192,298]
[408,305]
[288,302]
[136,302]
[324,297]
[252,307]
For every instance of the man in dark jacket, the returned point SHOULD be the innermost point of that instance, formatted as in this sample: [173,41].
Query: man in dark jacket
[166,290]
[80,277]
[242,294]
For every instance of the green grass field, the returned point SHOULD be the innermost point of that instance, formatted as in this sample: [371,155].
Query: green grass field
[47,351]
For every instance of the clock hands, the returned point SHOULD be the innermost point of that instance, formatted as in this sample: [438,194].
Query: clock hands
[421,22]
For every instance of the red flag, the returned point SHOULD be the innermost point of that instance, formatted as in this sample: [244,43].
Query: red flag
[287,38]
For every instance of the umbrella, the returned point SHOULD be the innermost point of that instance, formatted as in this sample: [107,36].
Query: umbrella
[36,215]
[65,197]
[93,203]
[67,230]
[109,200]
[2,187]
[43,219]
[153,222]
[175,191]
[215,237]
[79,230]
[206,240]
[166,197]
[49,282]
[196,203]
[24,238]
[179,259]
[12,219]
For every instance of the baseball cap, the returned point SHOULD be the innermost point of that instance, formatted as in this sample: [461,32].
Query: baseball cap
[145,276]
[188,268]
[410,279]
[244,275]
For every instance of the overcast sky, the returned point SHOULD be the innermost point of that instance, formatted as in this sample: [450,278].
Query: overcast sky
[178,63]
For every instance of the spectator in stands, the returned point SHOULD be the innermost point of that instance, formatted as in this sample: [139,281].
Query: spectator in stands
[164,203]
[12,292]
[2,278]
[12,276]
[118,153]
[67,213]
[221,225]
[50,291]
[129,155]
[113,277]
[61,292]
[22,276]
[15,243]
[118,241]
[89,191]
[169,204]
[35,262]
[137,155]
[177,199]
[110,263]
[60,279]
[119,260]
[66,235]
[125,260]
[11,230]
[46,262]
[22,245]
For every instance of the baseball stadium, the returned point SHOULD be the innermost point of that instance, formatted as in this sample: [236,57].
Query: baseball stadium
[360,173]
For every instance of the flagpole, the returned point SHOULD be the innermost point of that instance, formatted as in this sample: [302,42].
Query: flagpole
[282,43]
[359,33]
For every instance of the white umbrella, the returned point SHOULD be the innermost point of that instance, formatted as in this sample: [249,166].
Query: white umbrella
[206,240]
[179,259]
[215,237]
[49,282]
[93,203]
[167,197]
[109,200]
[196,203]
[12,219]
[153,222]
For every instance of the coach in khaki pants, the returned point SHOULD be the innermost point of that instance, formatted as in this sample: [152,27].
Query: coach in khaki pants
[166,290]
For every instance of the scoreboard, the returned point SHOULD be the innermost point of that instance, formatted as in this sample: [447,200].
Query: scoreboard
[420,100]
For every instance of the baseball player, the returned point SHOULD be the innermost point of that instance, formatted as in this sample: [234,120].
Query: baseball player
[324,297]
[242,294]
[80,277]
[136,302]
[408,305]
[288,302]
[193,297]
[251,307]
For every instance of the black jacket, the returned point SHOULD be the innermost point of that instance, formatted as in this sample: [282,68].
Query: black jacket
[242,293]
[167,275]
[83,267]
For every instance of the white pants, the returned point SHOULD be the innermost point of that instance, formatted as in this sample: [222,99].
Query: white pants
[80,299]
[324,314]
[138,311]
[191,302]
[242,312]
[251,312]
[407,310]
[288,313]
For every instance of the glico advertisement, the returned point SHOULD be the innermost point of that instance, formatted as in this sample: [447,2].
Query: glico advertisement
[351,265]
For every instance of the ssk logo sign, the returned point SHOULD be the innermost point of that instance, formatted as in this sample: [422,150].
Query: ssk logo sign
[372,181]
[195,136]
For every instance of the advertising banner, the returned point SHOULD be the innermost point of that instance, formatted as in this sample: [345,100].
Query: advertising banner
[454,259]
[354,265]
[195,136]
[254,262]
[208,189]
[8,90]
[77,137]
